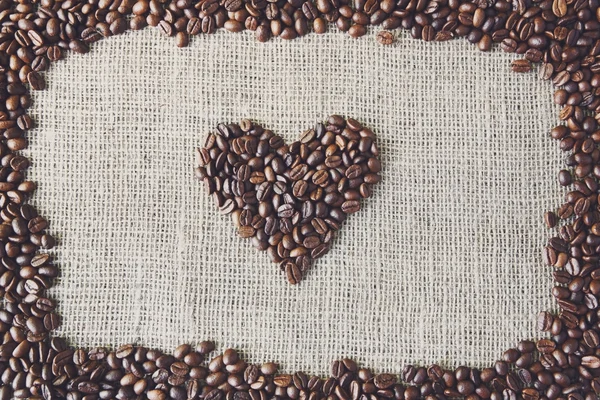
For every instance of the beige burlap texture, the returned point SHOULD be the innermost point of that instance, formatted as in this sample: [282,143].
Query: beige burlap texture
[441,265]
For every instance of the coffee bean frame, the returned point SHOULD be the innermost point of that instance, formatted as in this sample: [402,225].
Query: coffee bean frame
[564,35]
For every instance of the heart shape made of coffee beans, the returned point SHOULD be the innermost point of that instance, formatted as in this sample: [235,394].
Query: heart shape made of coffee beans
[290,199]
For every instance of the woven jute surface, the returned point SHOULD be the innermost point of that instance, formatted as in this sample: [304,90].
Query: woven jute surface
[441,265]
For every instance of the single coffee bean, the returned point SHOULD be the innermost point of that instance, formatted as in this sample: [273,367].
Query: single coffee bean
[564,177]
[124,351]
[550,219]
[351,206]
[386,38]
[36,81]
[293,273]
[384,381]
[521,66]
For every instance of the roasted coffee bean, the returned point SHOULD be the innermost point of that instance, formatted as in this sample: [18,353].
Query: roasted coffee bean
[36,81]
[350,206]
[384,381]
[550,219]
[246,231]
[124,351]
[521,66]
[564,177]
[294,275]
[385,37]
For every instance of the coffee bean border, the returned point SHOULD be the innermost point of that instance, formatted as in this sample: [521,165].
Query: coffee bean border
[562,34]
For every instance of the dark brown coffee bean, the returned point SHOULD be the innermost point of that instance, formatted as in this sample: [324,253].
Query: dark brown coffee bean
[386,38]
[182,39]
[246,231]
[36,81]
[384,381]
[300,187]
[546,346]
[51,321]
[37,224]
[564,177]
[293,273]
[546,71]
[319,251]
[311,242]
[351,206]
[465,387]
[321,178]
[591,339]
[157,394]
[550,219]
[544,321]
[591,362]
[124,351]
[521,66]
[78,47]
[353,171]
[286,211]
[263,33]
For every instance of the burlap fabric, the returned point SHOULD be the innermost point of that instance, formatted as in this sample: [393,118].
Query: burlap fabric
[441,265]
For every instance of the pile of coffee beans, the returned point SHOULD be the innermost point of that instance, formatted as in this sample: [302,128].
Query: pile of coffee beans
[290,200]
[563,35]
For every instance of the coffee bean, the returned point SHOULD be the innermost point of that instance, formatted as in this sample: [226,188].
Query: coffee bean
[293,273]
[385,37]
[350,206]
[319,251]
[282,380]
[299,188]
[182,39]
[591,339]
[545,320]
[465,387]
[550,219]
[546,346]
[246,231]
[262,33]
[559,8]
[311,242]
[521,66]
[36,81]
[546,71]
[62,358]
[124,351]
[179,368]
[591,362]
[286,211]
[564,177]
[47,242]
[160,395]
[384,381]
[558,244]
[530,394]
[321,178]
[51,321]
[37,224]
[353,171]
